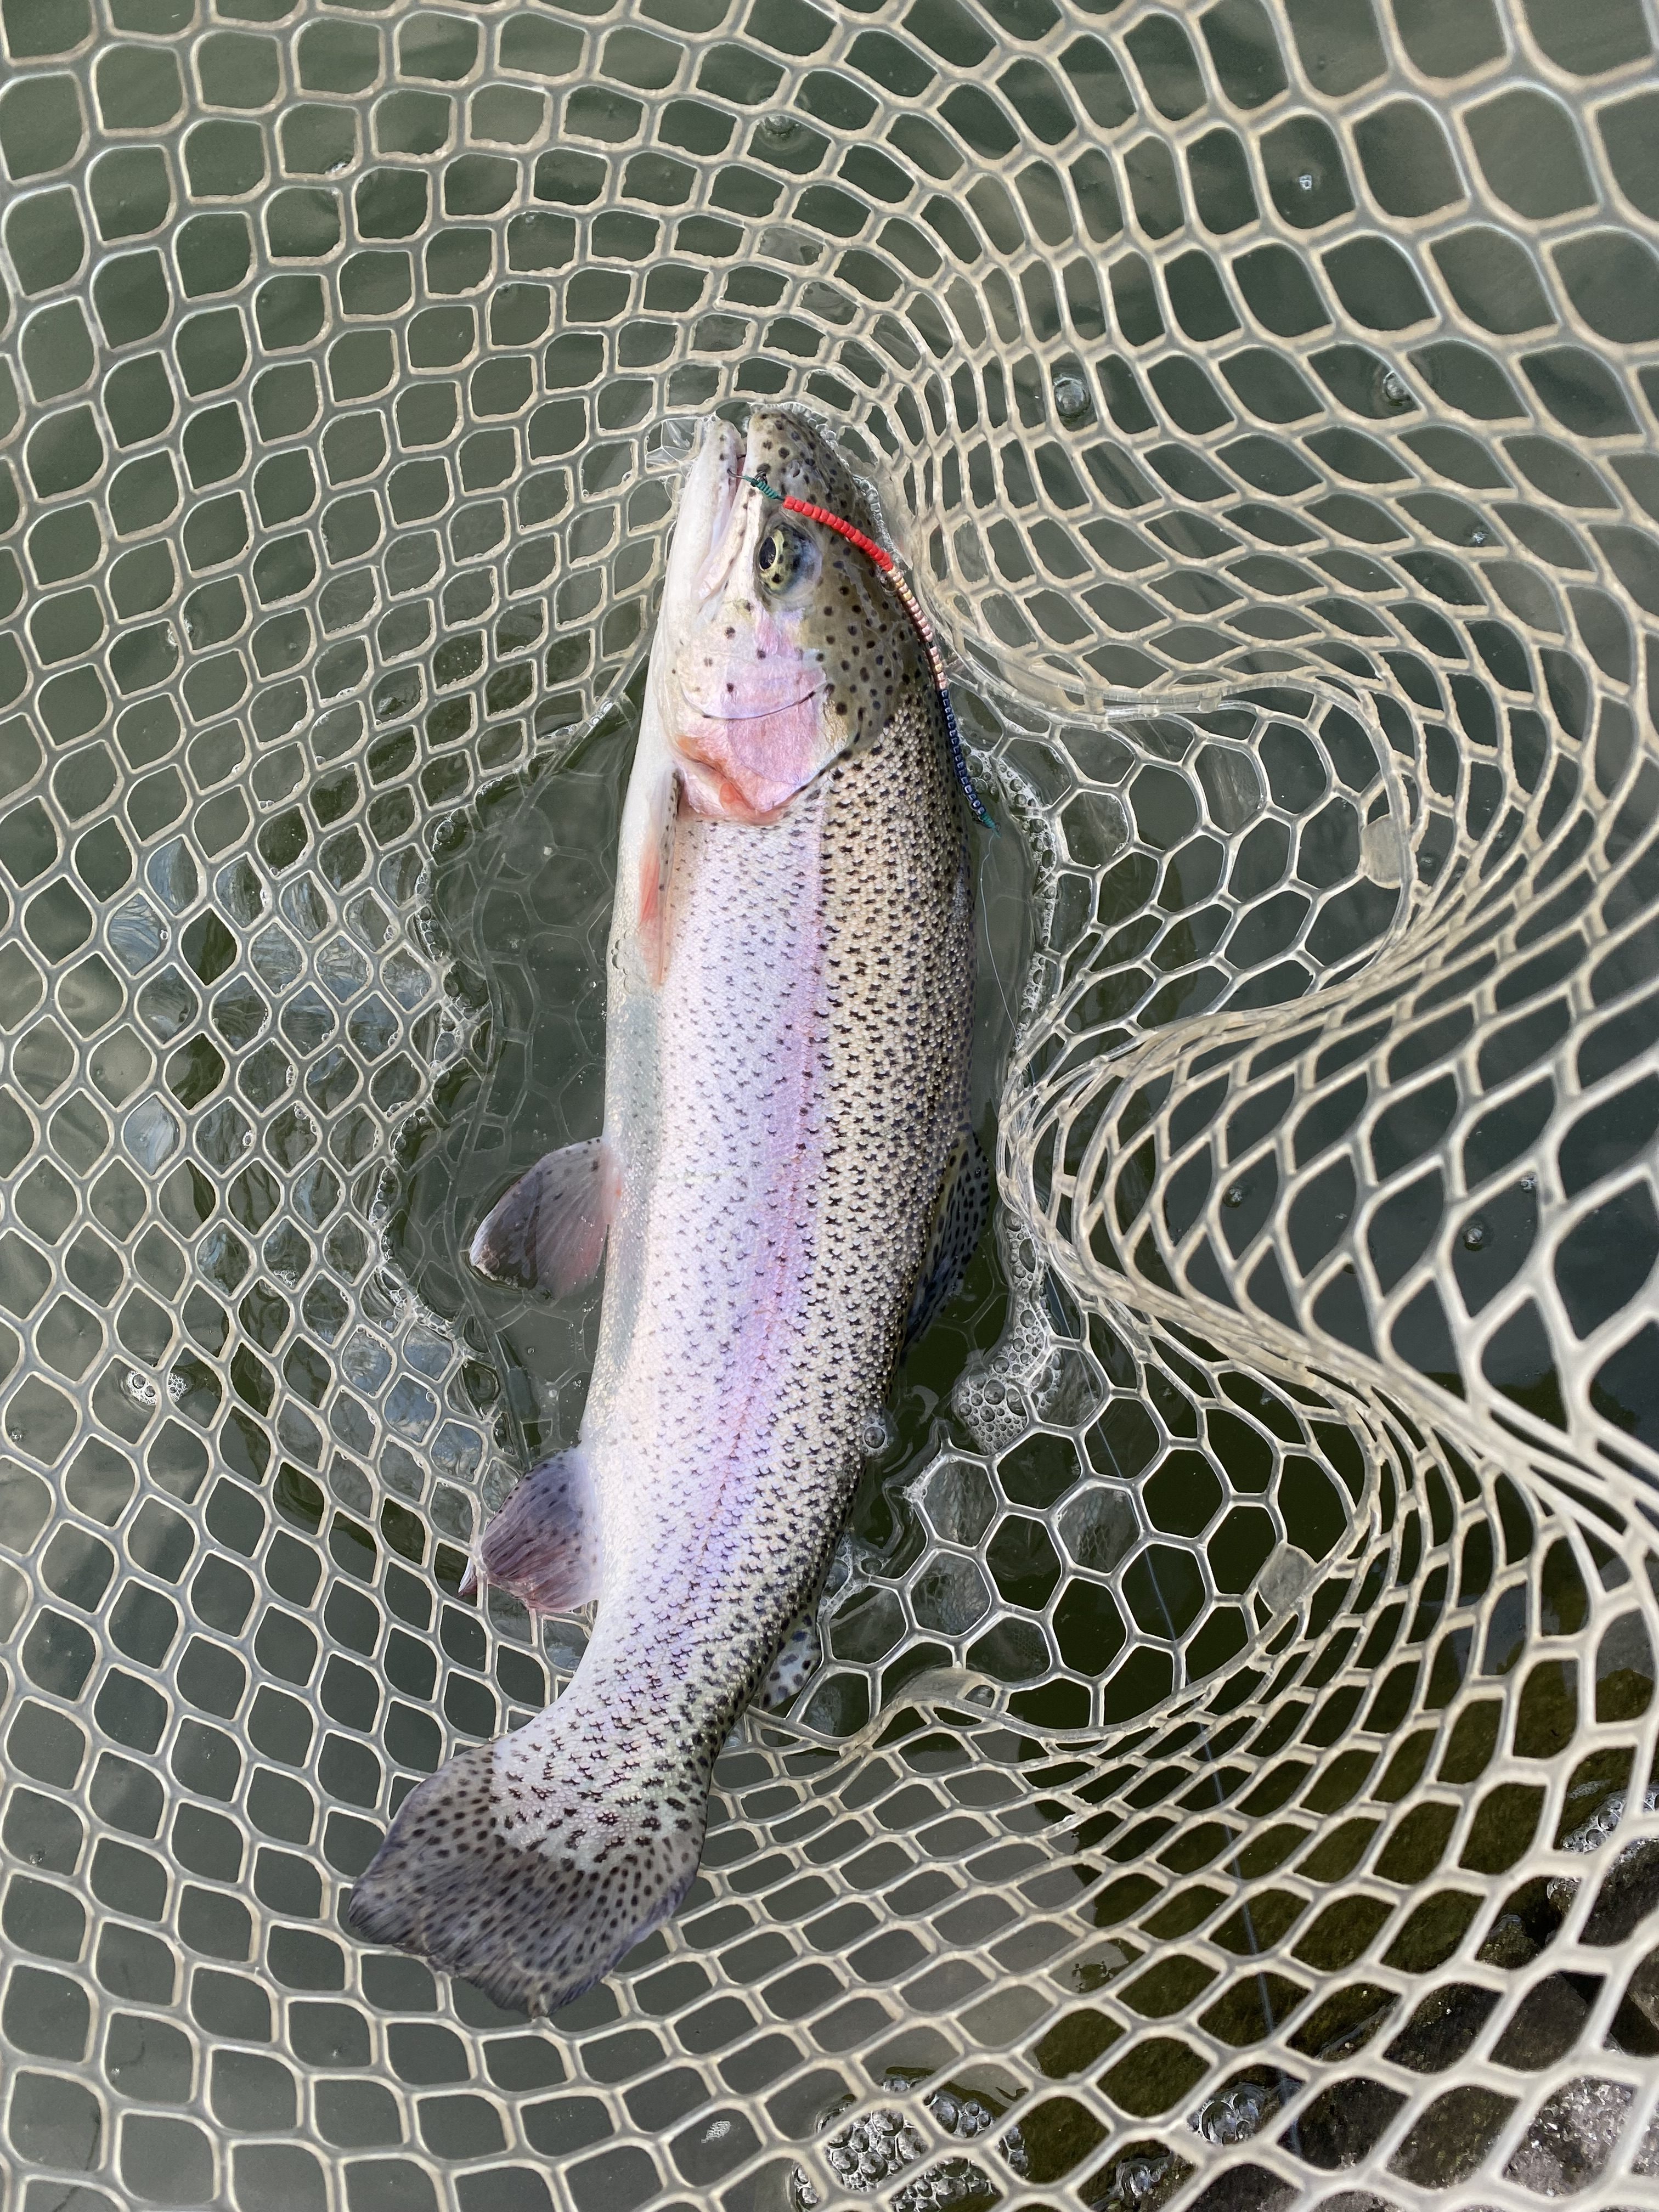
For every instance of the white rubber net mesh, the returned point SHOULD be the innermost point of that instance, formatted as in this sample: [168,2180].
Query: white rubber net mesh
[1229,1778]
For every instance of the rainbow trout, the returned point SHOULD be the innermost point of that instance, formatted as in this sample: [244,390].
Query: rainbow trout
[783,1192]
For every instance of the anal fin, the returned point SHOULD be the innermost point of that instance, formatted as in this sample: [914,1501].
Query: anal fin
[544,1544]
[959,1219]
[548,1232]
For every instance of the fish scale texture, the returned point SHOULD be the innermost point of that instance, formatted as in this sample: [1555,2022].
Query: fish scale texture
[1265,393]
[783,1107]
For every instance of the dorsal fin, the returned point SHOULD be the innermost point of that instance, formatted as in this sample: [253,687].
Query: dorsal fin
[959,1218]
[548,1232]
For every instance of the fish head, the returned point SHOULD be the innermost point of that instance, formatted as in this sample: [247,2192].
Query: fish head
[785,647]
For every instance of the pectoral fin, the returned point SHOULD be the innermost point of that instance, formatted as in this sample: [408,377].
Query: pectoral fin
[544,1544]
[959,1219]
[548,1233]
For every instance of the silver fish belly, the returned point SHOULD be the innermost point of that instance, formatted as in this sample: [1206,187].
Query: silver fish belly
[789,1028]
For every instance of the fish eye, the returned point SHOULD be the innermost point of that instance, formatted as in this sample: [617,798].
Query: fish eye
[783,557]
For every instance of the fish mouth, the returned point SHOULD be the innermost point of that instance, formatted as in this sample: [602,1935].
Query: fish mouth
[708,499]
[741,510]
[761,714]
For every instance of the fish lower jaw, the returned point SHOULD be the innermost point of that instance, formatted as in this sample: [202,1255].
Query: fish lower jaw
[743,701]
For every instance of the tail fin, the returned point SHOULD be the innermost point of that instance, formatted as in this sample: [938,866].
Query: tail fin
[529,1871]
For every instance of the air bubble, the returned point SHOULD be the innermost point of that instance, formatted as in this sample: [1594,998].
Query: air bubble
[877,1433]
[1234,2115]
[1475,1236]
[1134,2179]
[1071,398]
[872,2151]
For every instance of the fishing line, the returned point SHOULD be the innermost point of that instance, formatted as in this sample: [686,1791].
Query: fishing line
[912,607]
